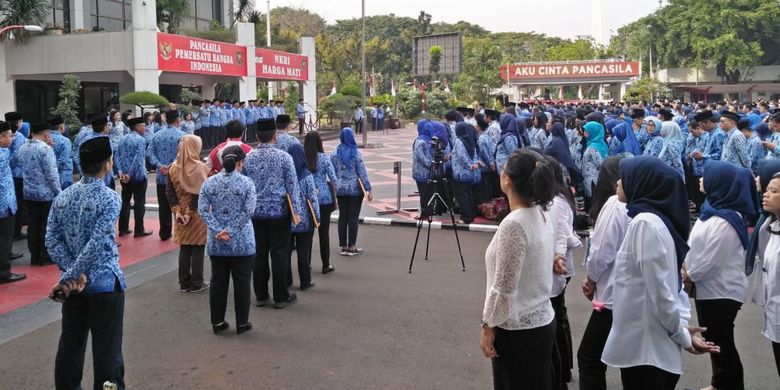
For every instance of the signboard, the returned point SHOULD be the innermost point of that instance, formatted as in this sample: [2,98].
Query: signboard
[177,53]
[451,57]
[279,65]
[573,71]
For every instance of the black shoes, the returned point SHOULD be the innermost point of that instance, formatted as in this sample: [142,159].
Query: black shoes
[123,233]
[243,328]
[290,300]
[328,269]
[15,256]
[263,302]
[220,327]
[142,234]
[197,289]
[12,277]
[304,288]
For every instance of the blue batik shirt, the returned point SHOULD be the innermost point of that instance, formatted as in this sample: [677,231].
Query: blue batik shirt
[590,165]
[421,161]
[115,133]
[461,164]
[735,149]
[672,156]
[39,170]
[775,139]
[653,146]
[503,150]
[62,151]
[347,176]
[284,140]
[308,192]
[7,192]
[697,145]
[213,116]
[325,174]
[715,145]
[755,152]
[149,132]
[273,173]
[130,157]
[642,136]
[249,114]
[222,117]
[80,235]
[487,150]
[188,127]
[16,165]
[226,202]
[162,150]
[300,111]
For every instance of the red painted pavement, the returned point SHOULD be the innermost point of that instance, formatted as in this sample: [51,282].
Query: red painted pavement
[40,279]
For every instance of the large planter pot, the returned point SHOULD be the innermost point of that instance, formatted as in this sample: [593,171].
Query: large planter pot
[394,123]
[54,31]
[344,124]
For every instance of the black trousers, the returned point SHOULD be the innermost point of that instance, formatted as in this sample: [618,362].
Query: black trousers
[424,189]
[524,358]
[359,127]
[563,361]
[135,190]
[102,316]
[191,266]
[349,214]
[302,244]
[36,231]
[21,208]
[647,378]
[6,244]
[324,234]
[301,125]
[464,193]
[776,352]
[592,370]
[272,236]
[222,268]
[692,187]
[481,191]
[165,214]
[718,315]
[251,133]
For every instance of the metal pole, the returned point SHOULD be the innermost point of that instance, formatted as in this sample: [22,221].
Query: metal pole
[363,66]
[398,197]
[268,43]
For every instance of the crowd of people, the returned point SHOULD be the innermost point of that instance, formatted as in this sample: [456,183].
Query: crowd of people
[247,207]
[644,172]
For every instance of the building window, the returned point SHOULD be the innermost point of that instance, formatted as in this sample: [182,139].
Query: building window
[59,17]
[111,15]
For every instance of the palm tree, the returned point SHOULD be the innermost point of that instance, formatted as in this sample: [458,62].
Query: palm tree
[245,12]
[172,12]
[24,12]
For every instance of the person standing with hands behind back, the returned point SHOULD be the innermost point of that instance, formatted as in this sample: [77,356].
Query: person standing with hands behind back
[351,186]
[518,330]
[226,203]
[82,242]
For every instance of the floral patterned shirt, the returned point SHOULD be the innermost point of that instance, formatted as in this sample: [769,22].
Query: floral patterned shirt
[130,157]
[323,178]
[62,150]
[80,235]
[39,170]
[735,149]
[503,151]
[421,161]
[347,177]
[16,164]
[162,150]
[697,145]
[226,202]
[284,141]
[308,192]
[7,193]
[273,173]
[591,163]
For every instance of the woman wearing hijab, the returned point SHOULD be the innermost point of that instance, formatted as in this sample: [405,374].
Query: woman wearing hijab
[558,148]
[595,153]
[623,141]
[466,170]
[714,264]
[650,309]
[440,130]
[421,162]
[352,185]
[611,220]
[576,144]
[655,142]
[303,233]
[325,179]
[186,178]
[672,147]
[508,141]
[227,201]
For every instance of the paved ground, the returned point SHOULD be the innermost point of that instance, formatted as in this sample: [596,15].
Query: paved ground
[369,325]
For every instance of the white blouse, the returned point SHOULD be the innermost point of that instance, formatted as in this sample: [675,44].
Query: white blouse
[716,261]
[607,237]
[519,271]
[566,241]
[771,276]
[650,311]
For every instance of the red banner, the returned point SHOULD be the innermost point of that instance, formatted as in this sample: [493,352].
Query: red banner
[279,65]
[176,53]
[570,70]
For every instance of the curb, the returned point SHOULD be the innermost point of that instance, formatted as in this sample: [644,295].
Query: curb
[334,218]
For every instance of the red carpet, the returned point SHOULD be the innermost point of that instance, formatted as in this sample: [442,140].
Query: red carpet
[40,279]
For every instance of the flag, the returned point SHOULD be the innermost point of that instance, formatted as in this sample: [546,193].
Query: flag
[579,93]
[446,86]
[371,86]
[333,89]
[392,87]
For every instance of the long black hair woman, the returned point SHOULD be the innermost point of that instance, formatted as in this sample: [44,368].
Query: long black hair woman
[303,233]
[325,179]
[518,330]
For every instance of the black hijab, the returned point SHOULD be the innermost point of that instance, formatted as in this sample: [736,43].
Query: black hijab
[466,134]
[559,149]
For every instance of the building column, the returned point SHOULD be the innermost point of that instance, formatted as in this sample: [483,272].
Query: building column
[77,15]
[7,95]
[247,86]
[146,75]
[309,94]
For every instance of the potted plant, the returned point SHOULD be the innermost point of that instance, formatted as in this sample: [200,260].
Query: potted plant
[53,30]
[343,106]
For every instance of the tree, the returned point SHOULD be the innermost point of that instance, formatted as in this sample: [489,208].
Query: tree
[479,74]
[22,12]
[646,89]
[171,13]
[424,24]
[143,99]
[245,12]
[580,49]
[433,67]
[68,103]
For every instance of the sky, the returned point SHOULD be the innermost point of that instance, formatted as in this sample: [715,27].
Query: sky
[562,18]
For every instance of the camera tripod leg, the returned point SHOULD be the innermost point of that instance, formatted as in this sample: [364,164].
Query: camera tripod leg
[416,239]
[457,240]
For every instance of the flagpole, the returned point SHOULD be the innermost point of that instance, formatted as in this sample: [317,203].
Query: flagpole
[363,66]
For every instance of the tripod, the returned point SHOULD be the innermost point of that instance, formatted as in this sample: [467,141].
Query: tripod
[436,177]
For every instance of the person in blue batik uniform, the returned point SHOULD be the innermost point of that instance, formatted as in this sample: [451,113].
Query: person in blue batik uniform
[350,173]
[672,149]
[755,150]
[655,141]
[735,146]
[300,113]
[14,120]
[283,139]
[82,242]
[466,170]
[486,149]
[706,120]
[161,153]
[117,129]
[7,208]
[226,203]
[594,155]
[303,233]
[187,125]
[276,185]
[325,179]
[697,142]
[422,160]
[41,186]
[507,142]
[772,144]
[636,124]
[62,149]
[131,163]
